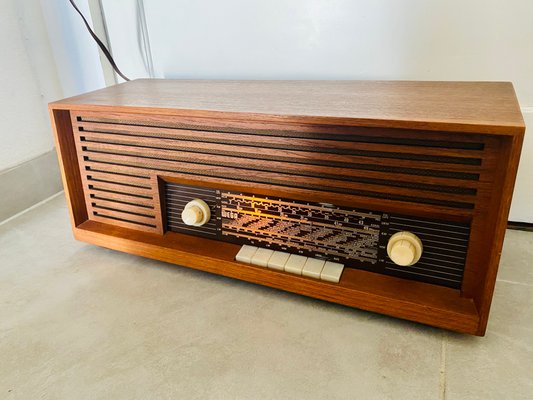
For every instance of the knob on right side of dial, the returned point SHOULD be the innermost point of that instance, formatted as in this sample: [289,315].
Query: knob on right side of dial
[404,248]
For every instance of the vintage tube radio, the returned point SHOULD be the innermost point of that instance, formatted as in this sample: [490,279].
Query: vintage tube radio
[391,197]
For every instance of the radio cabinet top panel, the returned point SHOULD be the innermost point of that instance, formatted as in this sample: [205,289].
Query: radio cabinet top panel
[479,107]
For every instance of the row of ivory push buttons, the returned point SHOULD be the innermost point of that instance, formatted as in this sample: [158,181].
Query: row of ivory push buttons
[293,263]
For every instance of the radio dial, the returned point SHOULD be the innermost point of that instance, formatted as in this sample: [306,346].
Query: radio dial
[196,213]
[404,248]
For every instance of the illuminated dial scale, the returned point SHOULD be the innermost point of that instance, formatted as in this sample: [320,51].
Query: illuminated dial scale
[380,242]
[317,230]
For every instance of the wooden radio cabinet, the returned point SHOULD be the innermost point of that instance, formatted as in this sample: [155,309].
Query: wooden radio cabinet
[391,197]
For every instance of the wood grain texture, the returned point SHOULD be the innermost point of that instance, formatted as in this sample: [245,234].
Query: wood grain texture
[497,218]
[481,107]
[442,150]
[68,163]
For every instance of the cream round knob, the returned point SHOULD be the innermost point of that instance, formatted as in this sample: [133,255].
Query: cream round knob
[404,248]
[196,213]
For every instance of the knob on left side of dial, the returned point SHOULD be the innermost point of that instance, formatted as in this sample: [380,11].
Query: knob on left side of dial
[196,213]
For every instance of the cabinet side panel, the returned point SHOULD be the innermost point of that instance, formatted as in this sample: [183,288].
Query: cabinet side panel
[68,162]
[497,224]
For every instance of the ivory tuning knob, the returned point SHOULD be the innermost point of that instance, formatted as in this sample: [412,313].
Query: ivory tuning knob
[196,213]
[404,248]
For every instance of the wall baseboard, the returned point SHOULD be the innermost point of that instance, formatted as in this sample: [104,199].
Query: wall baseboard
[520,226]
[28,184]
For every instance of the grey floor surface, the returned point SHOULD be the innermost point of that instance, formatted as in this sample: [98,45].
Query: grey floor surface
[82,322]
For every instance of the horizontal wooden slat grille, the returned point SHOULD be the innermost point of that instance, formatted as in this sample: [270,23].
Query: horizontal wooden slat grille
[336,145]
[122,154]
[342,134]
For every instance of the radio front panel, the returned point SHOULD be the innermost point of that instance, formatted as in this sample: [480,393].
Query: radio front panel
[124,160]
[401,212]
[356,238]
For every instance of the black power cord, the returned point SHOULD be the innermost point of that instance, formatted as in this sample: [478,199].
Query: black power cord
[99,43]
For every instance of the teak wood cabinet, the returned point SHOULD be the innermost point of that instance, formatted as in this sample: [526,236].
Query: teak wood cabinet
[446,151]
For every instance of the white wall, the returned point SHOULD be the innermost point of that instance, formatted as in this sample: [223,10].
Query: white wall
[522,205]
[75,53]
[37,44]
[337,39]
[46,55]
[24,127]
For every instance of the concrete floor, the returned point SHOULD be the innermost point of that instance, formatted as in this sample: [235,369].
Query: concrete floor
[81,322]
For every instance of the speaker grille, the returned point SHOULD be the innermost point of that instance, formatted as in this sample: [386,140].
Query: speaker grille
[176,197]
[120,154]
[444,255]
